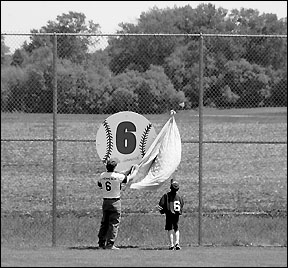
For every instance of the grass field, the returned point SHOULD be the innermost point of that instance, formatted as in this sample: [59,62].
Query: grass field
[188,257]
[243,175]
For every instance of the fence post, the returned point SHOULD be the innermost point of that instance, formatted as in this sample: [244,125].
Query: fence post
[54,198]
[200,105]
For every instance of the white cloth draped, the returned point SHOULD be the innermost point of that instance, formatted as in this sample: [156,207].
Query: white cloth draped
[161,159]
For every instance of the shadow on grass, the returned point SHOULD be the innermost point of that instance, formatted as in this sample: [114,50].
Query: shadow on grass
[84,247]
[121,247]
[155,248]
[97,248]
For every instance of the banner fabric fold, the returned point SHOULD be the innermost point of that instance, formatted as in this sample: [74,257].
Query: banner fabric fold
[161,159]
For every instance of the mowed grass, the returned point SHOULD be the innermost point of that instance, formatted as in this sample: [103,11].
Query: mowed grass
[238,176]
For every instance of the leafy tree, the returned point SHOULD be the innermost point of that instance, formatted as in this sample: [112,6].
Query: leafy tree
[13,80]
[140,52]
[122,100]
[149,92]
[18,57]
[279,93]
[41,58]
[246,80]
[249,21]
[35,92]
[157,91]
[98,63]
[79,89]
[121,86]
[70,47]
[182,67]
[150,74]
[262,51]
[277,96]
[69,84]
[4,50]
[205,18]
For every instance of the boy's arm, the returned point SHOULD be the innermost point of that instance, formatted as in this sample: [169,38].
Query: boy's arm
[97,182]
[161,205]
[181,204]
[131,173]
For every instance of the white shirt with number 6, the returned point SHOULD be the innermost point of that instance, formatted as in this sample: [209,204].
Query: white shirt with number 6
[111,184]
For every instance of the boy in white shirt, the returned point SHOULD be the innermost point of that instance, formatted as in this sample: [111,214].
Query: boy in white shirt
[110,184]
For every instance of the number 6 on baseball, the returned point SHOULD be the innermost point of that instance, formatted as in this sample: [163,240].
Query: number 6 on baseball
[124,136]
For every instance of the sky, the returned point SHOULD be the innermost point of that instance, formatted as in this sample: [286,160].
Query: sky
[23,16]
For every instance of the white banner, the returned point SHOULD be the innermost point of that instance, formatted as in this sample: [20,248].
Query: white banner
[161,159]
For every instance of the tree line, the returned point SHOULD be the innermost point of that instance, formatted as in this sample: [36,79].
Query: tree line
[150,74]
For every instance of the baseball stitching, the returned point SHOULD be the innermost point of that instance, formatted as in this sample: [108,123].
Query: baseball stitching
[143,140]
[109,141]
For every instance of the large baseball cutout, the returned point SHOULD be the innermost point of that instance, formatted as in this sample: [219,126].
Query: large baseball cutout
[124,136]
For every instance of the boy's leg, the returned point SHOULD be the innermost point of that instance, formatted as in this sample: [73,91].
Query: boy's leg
[177,237]
[103,230]
[176,232]
[113,228]
[170,238]
[170,231]
[114,222]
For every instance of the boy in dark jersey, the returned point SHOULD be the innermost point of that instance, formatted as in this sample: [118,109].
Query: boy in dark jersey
[171,204]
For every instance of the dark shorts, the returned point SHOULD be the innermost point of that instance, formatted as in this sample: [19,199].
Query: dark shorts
[172,221]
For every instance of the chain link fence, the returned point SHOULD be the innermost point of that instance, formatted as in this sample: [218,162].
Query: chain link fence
[233,129]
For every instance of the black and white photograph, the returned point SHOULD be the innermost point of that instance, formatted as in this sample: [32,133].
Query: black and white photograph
[143,133]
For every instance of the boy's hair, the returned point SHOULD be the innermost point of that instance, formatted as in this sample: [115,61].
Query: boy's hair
[111,165]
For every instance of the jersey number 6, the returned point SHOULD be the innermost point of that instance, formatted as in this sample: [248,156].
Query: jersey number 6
[177,206]
[108,186]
